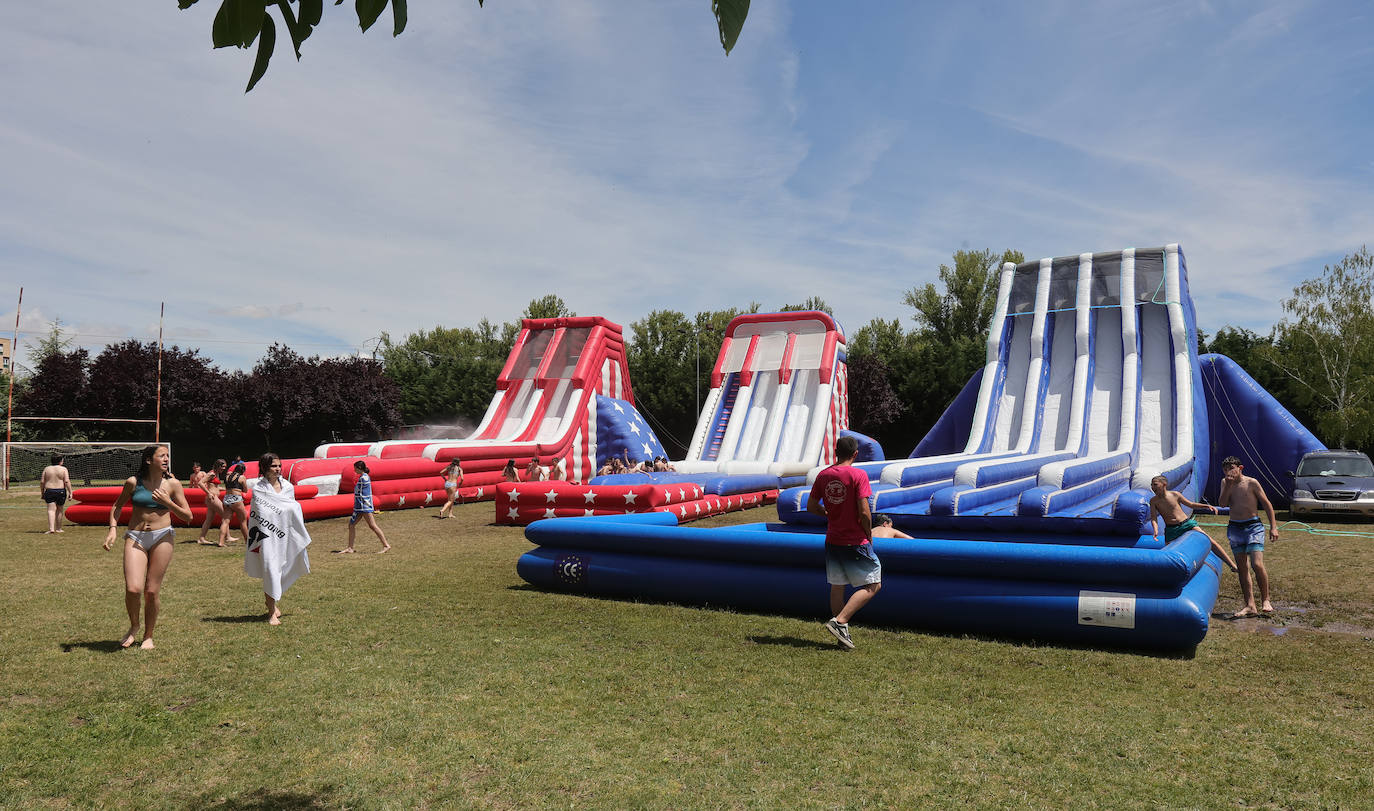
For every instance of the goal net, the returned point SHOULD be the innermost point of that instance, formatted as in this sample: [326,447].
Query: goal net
[87,462]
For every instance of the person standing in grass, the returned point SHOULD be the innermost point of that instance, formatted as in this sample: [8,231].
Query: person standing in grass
[276,536]
[154,496]
[363,509]
[1168,504]
[1246,533]
[840,493]
[235,486]
[214,509]
[57,488]
[453,479]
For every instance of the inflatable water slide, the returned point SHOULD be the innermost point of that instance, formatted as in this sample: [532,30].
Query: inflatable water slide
[777,402]
[1037,525]
[544,408]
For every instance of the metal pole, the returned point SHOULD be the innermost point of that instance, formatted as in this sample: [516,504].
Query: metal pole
[157,422]
[9,406]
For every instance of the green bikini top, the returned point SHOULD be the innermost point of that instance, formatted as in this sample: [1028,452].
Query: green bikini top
[143,497]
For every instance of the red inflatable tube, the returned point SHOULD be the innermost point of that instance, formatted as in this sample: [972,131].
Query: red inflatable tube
[327,507]
[383,469]
[689,511]
[341,451]
[298,469]
[409,450]
[624,498]
[522,514]
[410,500]
[96,514]
[195,497]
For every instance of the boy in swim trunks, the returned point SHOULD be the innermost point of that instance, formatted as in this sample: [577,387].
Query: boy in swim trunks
[1168,504]
[57,488]
[1246,532]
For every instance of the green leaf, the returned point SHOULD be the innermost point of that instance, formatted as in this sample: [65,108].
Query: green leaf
[369,11]
[398,13]
[185,4]
[311,11]
[265,46]
[730,16]
[297,31]
[237,23]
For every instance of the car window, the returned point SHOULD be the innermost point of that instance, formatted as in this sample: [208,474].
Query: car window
[1336,466]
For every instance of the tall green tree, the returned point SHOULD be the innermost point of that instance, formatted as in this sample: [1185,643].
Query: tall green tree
[57,388]
[661,355]
[950,341]
[55,341]
[811,303]
[446,374]
[961,307]
[550,306]
[1325,344]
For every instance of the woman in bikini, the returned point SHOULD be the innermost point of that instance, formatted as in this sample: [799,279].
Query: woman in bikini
[214,511]
[155,496]
[235,485]
[453,479]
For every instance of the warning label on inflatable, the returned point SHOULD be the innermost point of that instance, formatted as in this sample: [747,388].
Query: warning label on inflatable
[1113,609]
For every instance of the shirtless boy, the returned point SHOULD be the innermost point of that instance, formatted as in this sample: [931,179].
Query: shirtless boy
[57,488]
[882,528]
[1168,504]
[1246,532]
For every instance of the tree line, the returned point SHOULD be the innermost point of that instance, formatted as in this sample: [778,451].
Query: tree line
[1318,361]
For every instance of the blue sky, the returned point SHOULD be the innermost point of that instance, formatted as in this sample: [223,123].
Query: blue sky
[612,154]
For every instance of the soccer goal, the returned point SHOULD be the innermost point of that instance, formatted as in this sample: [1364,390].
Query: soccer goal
[87,462]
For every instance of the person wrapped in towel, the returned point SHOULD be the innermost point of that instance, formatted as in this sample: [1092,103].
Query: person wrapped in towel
[277,538]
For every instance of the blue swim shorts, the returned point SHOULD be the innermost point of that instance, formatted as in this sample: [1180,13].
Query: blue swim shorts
[1246,536]
[852,565]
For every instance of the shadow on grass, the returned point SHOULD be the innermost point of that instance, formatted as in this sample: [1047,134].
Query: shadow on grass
[103,646]
[262,799]
[236,618]
[791,642]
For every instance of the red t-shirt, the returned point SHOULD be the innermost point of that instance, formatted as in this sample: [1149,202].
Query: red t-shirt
[839,488]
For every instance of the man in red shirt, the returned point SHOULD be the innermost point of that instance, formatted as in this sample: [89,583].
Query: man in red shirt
[841,493]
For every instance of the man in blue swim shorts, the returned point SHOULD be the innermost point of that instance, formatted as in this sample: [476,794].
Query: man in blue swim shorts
[1247,534]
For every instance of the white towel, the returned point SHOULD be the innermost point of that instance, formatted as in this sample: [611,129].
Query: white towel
[277,538]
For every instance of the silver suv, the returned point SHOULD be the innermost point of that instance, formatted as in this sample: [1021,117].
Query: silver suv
[1336,482]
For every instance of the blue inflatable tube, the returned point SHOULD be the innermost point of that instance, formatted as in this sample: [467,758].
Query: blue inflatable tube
[1141,618]
[1080,592]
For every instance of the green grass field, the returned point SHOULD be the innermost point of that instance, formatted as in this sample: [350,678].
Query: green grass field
[432,676]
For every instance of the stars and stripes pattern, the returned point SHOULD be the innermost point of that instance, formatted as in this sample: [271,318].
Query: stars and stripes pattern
[621,429]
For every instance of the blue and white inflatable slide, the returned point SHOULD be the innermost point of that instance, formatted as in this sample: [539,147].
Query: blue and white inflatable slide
[1038,525]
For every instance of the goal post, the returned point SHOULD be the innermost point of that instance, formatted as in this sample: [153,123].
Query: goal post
[86,462]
